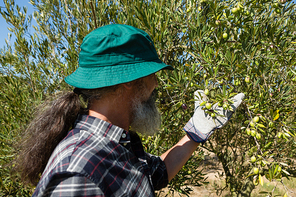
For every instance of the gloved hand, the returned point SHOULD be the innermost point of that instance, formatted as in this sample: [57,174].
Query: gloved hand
[201,125]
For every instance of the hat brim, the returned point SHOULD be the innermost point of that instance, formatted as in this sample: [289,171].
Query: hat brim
[98,77]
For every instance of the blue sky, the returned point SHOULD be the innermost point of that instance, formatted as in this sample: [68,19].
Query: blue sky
[4,31]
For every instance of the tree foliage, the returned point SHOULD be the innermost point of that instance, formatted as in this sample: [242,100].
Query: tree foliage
[223,46]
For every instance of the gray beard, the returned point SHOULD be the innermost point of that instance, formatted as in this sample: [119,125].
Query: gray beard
[146,117]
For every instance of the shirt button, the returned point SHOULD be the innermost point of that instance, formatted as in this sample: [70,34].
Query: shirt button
[123,135]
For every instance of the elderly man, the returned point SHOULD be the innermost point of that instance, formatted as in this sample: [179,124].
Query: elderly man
[100,154]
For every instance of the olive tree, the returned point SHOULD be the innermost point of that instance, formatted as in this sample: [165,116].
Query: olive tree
[222,47]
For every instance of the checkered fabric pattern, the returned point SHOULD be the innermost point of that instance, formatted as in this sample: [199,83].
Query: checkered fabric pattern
[100,159]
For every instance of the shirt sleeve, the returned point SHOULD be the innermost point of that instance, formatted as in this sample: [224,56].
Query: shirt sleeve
[72,185]
[158,171]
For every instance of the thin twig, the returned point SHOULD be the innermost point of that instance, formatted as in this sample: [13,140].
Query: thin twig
[69,17]
[167,91]
[274,188]
[94,13]
[286,187]
[30,75]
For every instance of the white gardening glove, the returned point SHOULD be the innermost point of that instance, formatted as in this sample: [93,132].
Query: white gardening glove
[201,125]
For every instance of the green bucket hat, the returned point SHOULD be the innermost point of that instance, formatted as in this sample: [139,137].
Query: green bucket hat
[115,54]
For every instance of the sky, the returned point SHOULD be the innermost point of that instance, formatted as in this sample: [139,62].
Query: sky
[4,31]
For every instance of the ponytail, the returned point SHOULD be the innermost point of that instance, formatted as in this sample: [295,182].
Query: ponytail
[53,121]
[51,124]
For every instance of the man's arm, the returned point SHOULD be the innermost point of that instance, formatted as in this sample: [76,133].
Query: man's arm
[178,155]
[200,127]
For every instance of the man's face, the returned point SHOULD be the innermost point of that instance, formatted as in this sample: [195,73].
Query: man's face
[146,117]
[149,83]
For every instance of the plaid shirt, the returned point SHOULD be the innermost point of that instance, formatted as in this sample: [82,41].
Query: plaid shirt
[100,159]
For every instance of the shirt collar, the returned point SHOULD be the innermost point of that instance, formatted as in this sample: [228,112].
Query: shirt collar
[101,128]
